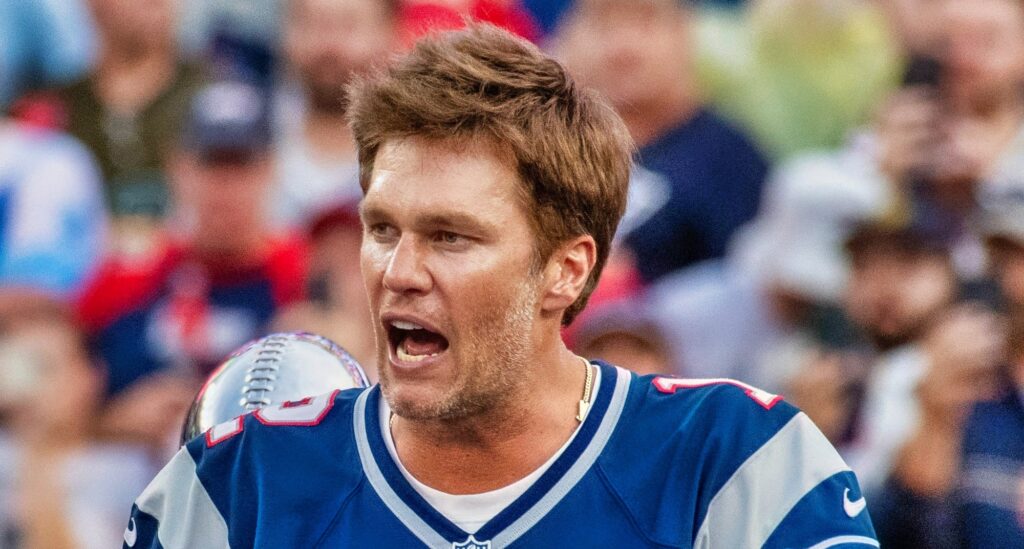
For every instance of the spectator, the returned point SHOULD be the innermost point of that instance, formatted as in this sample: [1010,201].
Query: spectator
[327,43]
[57,486]
[991,495]
[129,109]
[337,306]
[955,130]
[699,178]
[160,323]
[52,223]
[928,353]
[773,291]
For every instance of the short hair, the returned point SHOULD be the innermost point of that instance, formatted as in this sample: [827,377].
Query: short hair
[571,152]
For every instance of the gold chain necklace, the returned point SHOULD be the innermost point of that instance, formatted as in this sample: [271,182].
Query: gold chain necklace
[587,387]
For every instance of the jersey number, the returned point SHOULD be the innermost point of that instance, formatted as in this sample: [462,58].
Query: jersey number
[670,385]
[307,412]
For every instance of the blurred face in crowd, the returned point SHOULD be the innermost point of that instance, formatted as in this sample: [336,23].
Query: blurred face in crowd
[328,41]
[39,355]
[637,352]
[133,24]
[635,52]
[223,195]
[985,51]
[448,261]
[892,295]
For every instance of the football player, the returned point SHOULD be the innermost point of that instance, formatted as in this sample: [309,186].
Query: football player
[493,185]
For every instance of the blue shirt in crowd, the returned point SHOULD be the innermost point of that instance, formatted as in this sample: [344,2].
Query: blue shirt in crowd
[694,186]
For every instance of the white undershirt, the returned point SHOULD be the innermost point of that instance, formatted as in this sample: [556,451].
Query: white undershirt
[472,511]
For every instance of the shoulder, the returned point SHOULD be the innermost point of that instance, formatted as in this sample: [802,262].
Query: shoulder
[297,456]
[280,430]
[710,404]
[721,449]
[286,453]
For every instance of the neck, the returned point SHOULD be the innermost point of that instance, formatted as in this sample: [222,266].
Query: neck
[127,79]
[492,450]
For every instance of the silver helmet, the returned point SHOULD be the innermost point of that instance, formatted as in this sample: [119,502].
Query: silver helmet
[271,370]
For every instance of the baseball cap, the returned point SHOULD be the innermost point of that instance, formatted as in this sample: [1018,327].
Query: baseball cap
[229,120]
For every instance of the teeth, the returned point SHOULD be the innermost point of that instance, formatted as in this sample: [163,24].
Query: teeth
[406,357]
[403,325]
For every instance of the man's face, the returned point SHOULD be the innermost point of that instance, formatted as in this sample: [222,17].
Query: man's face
[632,51]
[130,23]
[892,296]
[985,56]
[448,247]
[328,41]
[224,196]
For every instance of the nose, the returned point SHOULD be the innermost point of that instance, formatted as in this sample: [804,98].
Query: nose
[406,271]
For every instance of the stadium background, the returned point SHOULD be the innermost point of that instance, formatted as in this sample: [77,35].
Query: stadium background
[828,203]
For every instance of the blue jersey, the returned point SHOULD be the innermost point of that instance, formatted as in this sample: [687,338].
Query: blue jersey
[657,462]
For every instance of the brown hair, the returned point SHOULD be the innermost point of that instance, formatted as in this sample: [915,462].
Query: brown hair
[571,151]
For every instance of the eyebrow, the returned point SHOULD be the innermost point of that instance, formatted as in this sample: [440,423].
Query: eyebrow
[442,219]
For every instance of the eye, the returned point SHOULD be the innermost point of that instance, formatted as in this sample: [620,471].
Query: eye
[449,237]
[382,231]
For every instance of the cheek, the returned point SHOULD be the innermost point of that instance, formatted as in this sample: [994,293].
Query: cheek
[371,264]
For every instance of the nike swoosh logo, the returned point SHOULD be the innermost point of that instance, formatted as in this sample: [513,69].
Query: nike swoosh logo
[130,534]
[853,508]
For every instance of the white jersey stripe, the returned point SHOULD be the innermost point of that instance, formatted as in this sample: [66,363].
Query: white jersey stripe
[839,540]
[186,514]
[763,490]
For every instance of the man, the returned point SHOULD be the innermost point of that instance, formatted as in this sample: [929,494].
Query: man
[129,109]
[990,498]
[698,179]
[955,131]
[326,44]
[493,187]
[217,279]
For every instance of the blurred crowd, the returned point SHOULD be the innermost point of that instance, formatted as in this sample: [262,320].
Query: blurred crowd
[827,202]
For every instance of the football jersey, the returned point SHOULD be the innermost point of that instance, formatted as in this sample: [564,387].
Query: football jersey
[657,462]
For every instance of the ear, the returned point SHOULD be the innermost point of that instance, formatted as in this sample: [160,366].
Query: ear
[567,272]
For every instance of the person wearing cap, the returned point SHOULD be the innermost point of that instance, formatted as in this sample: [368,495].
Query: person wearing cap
[162,319]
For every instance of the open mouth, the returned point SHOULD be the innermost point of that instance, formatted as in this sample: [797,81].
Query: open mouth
[413,343]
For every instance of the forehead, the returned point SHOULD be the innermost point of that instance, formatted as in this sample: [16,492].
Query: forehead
[315,10]
[416,175]
[611,7]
